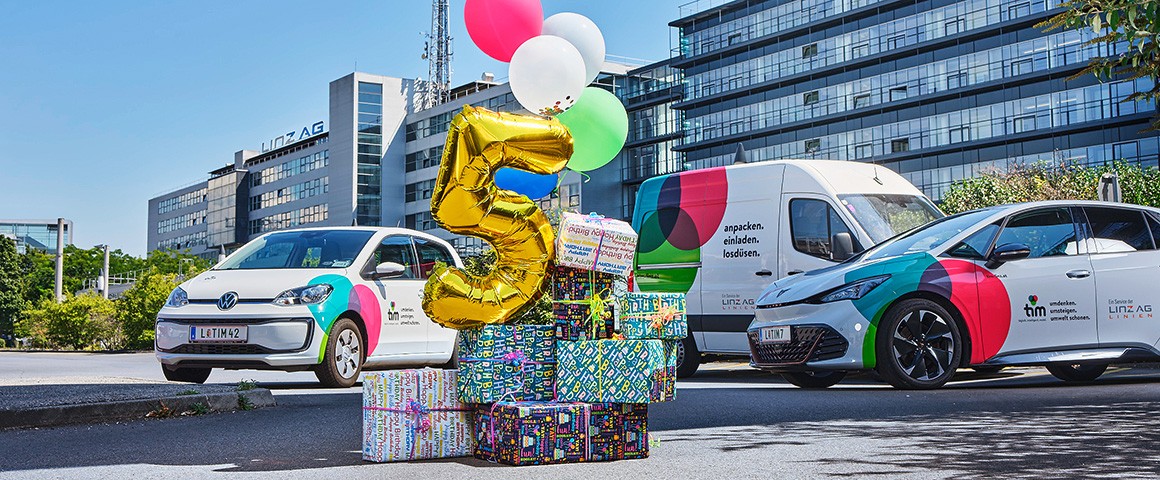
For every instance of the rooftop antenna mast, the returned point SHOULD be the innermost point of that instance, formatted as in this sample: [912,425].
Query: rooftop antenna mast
[437,52]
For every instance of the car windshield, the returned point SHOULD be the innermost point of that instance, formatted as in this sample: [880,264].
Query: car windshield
[885,215]
[301,249]
[929,236]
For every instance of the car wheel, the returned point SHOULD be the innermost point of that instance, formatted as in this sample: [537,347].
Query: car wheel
[688,358]
[1074,372]
[344,355]
[186,374]
[815,378]
[987,368]
[918,345]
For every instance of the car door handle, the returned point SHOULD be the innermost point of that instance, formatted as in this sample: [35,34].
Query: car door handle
[794,272]
[1079,274]
[763,273]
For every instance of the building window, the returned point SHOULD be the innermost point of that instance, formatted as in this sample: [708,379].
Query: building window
[1018,10]
[860,50]
[735,38]
[899,145]
[1020,67]
[810,98]
[865,150]
[895,42]
[954,26]
[960,134]
[862,100]
[897,93]
[1022,124]
[813,145]
[810,50]
[956,80]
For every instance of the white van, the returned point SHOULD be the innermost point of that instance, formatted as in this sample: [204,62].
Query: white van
[721,235]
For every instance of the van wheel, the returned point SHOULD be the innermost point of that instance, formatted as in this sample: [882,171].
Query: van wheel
[344,355]
[186,374]
[1069,372]
[918,345]
[688,358]
[814,379]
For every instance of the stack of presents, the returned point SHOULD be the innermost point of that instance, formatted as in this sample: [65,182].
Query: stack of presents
[575,391]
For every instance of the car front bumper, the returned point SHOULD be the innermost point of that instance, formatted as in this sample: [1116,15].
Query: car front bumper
[822,337]
[286,338]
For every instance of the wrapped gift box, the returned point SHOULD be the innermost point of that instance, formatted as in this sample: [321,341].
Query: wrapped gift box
[414,414]
[595,243]
[665,386]
[618,431]
[507,362]
[575,293]
[537,433]
[621,371]
[652,315]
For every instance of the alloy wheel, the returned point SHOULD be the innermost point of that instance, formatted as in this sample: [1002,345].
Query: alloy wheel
[923,345]
[347,354]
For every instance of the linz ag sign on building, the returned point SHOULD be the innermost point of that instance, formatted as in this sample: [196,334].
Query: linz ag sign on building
[294,136]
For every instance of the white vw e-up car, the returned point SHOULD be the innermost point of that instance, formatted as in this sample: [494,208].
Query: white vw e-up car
[325,299]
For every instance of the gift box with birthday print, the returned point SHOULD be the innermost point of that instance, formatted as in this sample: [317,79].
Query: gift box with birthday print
[582,303]
[537,433]
[620,371]
[507,362]
[652,315]
[414,414]
[592,242]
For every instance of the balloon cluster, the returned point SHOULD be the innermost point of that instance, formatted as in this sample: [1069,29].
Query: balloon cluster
[551,63]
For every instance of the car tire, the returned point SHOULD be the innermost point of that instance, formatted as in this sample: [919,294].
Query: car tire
[918,345]
[1076,373]
[343,359]
[815,379]
[688,357]
[186,374]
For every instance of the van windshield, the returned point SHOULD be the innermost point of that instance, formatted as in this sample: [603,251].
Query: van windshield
[301,249]
[884,215]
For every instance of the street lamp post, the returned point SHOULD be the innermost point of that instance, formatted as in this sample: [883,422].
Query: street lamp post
[104,286]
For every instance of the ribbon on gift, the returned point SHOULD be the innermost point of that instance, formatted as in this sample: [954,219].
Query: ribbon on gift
[515,358]
[593,216]
[658,319]
[597,305]
[422,415]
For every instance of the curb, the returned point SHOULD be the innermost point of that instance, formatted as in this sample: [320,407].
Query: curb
[133,409]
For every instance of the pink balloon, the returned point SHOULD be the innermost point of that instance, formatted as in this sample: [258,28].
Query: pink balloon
[499,27]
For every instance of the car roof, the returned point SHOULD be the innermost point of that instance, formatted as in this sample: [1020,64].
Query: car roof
[387,230]
[1013,207]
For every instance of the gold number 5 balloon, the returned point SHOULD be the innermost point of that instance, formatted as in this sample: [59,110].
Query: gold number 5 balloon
[466,201]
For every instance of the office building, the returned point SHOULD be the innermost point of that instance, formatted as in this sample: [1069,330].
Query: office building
[36,234]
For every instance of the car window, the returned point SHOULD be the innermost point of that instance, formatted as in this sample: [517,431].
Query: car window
[812,224]
[975,246]
[429,254]
[1047,232]
[1118,229]
[1154,226]
[397,249]
[299,249]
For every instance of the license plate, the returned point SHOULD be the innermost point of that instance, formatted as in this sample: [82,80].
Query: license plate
[775,334]
[218,333]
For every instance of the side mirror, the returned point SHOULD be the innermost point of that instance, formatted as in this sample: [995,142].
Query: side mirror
[841,246]
[1006,253]
[388,270]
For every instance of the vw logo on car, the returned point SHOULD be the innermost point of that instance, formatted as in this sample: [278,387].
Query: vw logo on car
[227,301]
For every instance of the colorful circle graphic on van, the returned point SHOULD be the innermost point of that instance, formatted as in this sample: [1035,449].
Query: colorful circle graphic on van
[678,214]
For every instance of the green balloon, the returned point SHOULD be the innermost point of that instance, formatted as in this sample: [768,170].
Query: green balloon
[599,126]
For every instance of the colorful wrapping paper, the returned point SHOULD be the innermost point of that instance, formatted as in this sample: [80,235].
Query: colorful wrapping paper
[621,371]
[595,243]
[575,294]
[507,362]
[652,315]
[537,433]
[665,385]
[414,414]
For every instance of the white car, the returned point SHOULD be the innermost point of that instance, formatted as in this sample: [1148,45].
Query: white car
[325,299]
[1065,284]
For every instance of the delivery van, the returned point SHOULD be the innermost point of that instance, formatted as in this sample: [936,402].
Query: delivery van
[721,235]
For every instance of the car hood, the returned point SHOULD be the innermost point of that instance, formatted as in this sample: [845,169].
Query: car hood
[805,285]
[253,284]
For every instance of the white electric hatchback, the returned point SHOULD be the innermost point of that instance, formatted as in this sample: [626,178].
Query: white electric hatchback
[325,299]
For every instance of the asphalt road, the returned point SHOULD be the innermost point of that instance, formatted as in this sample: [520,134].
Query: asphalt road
[727,422]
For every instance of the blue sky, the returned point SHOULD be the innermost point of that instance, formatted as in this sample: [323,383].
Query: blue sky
[104,105]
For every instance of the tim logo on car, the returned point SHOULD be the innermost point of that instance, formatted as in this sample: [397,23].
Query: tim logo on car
[392,315]
[1034,311]
[1120,309]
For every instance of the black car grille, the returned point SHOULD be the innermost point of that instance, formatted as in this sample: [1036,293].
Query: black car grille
[221,349]
[808,343]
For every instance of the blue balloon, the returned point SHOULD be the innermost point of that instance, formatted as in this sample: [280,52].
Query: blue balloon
[526,183]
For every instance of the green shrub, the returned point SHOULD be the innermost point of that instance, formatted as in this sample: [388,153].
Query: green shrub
[81,322]
[1139,185]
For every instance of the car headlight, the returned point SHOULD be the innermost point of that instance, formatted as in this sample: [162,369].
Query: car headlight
[307,295]
[177,298]
[854,290]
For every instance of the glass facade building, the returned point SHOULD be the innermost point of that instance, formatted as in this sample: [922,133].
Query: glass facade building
[35,234]
[936,90]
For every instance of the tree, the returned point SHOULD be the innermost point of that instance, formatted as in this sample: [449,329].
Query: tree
[1139,185]
[138,306]
[80,322]
[1132,24]
[11,285]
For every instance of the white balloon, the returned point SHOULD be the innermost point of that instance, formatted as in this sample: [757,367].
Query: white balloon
[547,75]
[583,34]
